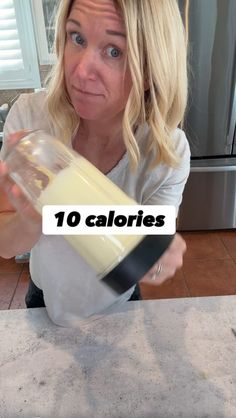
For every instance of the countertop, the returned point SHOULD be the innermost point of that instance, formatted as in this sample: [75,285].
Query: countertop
[163,358]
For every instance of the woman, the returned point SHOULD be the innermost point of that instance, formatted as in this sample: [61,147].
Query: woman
[116,95]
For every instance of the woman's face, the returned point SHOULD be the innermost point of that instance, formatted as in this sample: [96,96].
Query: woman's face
[94,60]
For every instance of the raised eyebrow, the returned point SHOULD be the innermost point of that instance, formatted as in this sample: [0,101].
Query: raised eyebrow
[114,32]
[76,22]
[108,31]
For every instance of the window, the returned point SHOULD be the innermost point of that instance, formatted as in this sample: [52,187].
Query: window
[44,12]
[18,54]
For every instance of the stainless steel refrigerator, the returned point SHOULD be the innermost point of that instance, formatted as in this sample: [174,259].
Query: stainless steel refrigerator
[209,200]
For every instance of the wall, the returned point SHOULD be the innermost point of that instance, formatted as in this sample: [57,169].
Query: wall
[8,96]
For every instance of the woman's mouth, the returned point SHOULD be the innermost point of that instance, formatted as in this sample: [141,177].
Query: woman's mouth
[87,93]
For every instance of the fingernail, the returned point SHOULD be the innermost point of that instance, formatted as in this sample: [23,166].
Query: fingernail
[3,168]
[15,136]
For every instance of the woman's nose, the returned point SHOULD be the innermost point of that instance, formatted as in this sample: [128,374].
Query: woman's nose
[87,64]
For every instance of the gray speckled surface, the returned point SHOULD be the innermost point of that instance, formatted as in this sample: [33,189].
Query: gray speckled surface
[165,358]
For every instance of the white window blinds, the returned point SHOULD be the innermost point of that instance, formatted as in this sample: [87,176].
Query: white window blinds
[10,49]
[18,56]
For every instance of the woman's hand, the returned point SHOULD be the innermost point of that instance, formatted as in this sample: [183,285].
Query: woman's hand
[168,263]
[20,224]
[12,196]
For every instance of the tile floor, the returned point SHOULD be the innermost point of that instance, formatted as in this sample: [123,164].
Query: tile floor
[209,269]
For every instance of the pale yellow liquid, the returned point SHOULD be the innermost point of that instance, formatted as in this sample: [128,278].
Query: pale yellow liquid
[82,184]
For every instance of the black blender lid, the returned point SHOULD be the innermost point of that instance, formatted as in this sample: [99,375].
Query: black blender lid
[137,263]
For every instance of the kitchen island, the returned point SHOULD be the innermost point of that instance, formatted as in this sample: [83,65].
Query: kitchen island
[162,358]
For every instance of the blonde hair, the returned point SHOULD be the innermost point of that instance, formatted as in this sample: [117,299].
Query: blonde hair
[157,58]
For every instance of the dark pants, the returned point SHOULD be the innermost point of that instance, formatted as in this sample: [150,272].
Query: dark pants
[34,296]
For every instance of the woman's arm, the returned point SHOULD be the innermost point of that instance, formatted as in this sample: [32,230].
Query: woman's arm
[170,193]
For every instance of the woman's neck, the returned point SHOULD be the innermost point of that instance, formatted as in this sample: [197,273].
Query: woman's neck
[101,145]
[101,133]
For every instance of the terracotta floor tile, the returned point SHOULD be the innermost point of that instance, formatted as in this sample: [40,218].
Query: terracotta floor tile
[204,246]
[8,283]
[210,277]
[26,267]
[229,240]
[10,266]
[172,288]
[18,301]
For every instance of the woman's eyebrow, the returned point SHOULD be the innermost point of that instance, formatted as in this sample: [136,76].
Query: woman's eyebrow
[108,31]
[76,22]
[114,32]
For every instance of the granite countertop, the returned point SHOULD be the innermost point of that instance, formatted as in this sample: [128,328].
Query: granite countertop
[164,358]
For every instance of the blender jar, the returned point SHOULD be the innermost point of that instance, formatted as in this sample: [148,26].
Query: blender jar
[50,173]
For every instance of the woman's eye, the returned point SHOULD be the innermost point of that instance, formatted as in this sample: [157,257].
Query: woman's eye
[77,38]
[114,52]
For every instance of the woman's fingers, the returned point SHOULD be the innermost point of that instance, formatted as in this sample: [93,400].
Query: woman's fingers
[3,169]
[14,138]
[5,181]
[16,196]
[168,263]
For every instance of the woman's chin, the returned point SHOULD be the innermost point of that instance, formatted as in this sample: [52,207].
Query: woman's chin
[89,114]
